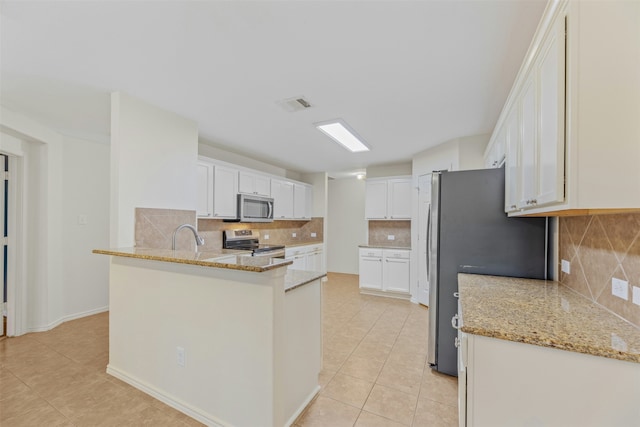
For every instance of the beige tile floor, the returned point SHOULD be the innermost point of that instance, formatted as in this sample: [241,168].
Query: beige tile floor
[374,365]
[374,372]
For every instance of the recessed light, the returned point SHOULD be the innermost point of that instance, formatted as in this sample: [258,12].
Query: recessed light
[341,132]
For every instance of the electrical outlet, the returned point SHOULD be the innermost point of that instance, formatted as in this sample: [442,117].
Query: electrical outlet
[566,266]
[391,237]
[294,234]
[314,234]
[618,343]
[181,356]
[636,295]
[265,236]
[620,288]
[82,220]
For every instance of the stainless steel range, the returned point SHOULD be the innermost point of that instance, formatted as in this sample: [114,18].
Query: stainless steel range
[249,240]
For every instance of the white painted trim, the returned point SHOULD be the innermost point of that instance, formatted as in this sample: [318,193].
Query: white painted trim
[302,407]
[388,294]
[16,249]
[165,398]
[68,318]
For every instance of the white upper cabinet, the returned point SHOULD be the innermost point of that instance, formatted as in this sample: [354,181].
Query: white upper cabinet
[225,192]
[205,189]
[219,184]
[250,183]
[551,100]
[282,193]
[575,148]
[301,203]
[376,199]
[512,161]
[495,153]
[388,198]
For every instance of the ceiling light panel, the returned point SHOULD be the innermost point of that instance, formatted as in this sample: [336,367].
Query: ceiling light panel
[342,133]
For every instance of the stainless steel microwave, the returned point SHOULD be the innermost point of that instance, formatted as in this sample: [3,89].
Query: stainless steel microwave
[254,208]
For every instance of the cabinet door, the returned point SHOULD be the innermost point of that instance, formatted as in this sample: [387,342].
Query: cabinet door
[314,261]
[528,143]
[512,163]
[245,183]
[299,201]
[308,189]
[225,192]
[396,274]
[282,193]
[370,272]
[205,190]
[399,198]
[299,262]
[551,139]
[249,183]
[262,186]
[376,200]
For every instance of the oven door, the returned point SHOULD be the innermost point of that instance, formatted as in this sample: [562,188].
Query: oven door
[254,208]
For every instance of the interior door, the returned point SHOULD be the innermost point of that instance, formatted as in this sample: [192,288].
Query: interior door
[424,201]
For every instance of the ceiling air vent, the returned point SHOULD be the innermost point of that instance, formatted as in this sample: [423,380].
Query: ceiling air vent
[297,103]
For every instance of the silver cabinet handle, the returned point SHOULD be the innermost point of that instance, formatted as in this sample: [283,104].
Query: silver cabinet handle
[456,342]
[456,294]
[454,322]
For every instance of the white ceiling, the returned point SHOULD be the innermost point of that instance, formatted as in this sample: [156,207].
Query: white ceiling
[406,75]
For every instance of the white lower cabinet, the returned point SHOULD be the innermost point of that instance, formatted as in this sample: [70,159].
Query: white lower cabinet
[306,257]
[385,271]
[370,269]
[507,383]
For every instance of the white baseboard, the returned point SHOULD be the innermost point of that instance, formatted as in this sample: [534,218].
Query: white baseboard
[302,407]
[66,319]
[164,398]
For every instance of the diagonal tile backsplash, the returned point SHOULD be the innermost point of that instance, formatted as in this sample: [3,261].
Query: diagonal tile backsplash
[600,248]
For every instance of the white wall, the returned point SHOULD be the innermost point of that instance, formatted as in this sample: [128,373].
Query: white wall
[347,227]
[57,277]
[85,192]
[154,154]
[381,171]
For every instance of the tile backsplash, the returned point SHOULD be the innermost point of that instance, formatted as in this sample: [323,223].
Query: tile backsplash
[280,232]
[154,228]
[599,248]
[379,232]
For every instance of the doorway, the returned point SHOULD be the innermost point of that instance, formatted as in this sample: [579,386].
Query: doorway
[4,224]
[424,214]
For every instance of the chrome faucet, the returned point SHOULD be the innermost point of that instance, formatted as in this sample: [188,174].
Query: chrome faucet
[199,240]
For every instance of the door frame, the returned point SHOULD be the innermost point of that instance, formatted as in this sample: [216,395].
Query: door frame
[422,293]
[16,301]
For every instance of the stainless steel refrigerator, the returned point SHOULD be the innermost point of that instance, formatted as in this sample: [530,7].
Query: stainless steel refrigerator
[469,232]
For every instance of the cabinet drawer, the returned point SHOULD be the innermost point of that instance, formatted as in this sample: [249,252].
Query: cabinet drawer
[396,254]
[368,252]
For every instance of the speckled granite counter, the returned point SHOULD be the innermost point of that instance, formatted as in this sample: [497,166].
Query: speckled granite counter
[224,258]
[296,278]
[544,313]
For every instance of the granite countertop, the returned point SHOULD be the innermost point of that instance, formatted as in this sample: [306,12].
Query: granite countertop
[385,247]
[296,278]
[544,313]
[294,245]
[223,258]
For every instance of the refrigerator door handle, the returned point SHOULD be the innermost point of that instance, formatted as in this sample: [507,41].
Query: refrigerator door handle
[428,240]
[454,322]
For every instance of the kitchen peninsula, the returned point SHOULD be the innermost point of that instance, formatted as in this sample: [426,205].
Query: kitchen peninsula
[226,338]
